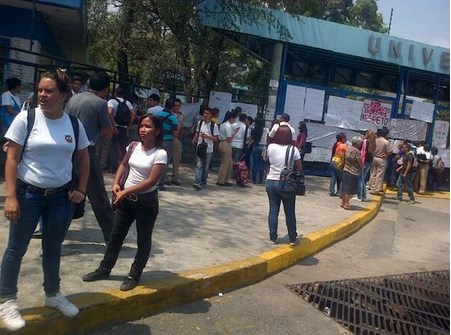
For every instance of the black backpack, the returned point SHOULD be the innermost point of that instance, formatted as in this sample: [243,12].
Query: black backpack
[123,114]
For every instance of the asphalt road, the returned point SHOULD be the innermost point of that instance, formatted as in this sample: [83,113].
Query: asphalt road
[401,239]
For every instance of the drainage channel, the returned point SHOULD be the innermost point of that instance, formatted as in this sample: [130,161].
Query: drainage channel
[414,303]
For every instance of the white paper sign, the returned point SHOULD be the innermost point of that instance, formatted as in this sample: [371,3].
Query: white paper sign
[222,101]
[423,111]
[440,134]
[294,103]
[314,104]
[344,113]
[190,111]
[444,153]
[412,130]
[248,109]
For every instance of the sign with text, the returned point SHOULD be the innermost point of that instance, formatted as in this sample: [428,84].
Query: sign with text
[376,112]
[440,134]
[412,130]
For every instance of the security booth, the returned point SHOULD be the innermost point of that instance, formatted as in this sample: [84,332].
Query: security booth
[341,78]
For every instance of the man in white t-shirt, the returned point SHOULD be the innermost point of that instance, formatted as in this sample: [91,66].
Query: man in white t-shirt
[283,121]
[238,140]
[123,119]
[153,102]
[206,131]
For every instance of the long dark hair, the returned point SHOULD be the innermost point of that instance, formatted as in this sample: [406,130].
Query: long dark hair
[158,123]
[257,131]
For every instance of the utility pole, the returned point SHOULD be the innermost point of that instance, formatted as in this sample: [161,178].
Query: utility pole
[389,24]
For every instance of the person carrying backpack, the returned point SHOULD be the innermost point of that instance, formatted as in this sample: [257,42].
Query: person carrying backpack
[123,114]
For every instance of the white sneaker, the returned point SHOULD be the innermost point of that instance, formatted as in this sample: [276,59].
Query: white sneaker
[9,314]
[61,303]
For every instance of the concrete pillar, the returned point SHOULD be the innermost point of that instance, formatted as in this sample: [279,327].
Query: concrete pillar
[276,64]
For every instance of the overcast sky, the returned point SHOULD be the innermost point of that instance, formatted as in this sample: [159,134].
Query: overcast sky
[425,21]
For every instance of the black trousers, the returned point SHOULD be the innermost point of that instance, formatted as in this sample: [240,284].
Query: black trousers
[145,212]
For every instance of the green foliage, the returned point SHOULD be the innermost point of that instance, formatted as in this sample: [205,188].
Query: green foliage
[161,42]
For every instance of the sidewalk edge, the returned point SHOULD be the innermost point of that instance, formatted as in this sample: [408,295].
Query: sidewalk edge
[102,309]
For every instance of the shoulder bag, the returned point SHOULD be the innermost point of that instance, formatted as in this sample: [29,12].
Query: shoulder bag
[291,182]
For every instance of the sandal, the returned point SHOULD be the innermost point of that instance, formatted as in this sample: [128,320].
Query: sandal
[349,208]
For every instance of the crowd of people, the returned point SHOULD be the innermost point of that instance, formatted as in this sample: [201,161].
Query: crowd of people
[56,160]
[372,160]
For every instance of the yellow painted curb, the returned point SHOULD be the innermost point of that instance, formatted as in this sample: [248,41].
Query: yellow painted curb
[98,310]
[434,195]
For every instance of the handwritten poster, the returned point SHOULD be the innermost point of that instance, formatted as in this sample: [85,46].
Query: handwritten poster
[412,130]
[423,111]
[220,100]
[314,104]
[376,112]
[444,153]
[440,134]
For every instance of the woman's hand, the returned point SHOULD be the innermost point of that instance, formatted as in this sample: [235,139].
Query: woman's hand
[76,196]
[118,196]
[12,209]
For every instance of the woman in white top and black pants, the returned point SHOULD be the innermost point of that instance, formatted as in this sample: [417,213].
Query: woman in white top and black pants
[276,155]
[137,200]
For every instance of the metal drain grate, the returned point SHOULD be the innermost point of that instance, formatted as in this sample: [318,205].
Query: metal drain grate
[415,303]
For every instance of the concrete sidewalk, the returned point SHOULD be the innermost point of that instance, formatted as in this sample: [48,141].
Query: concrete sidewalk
[204,242]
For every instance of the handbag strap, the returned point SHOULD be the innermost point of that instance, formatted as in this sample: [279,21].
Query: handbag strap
[289,156]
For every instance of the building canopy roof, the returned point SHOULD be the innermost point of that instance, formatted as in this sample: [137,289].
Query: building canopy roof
[330,42]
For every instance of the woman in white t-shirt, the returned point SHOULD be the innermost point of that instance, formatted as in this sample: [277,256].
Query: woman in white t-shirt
[39,184]
[10,103]
[137,200]
[276,154]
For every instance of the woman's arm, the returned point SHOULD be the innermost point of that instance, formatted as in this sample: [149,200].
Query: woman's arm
[13,156]
[298,166]
[78,194]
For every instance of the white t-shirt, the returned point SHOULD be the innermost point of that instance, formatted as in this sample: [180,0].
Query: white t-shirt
[154,109]
[283,123]
[263,139]
[112,103]
[420,150]
[206,128]
[276,155]
[8,100]
[47,156]
[238,139]
[141,163]
[225,131]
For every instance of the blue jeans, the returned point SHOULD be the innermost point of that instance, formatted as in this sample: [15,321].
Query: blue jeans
[336,175]
[289,202]
[167,145]
[407,180]
[145,212]
[258,164]
[55,211]
[201,171]
[236,154]
[362,181]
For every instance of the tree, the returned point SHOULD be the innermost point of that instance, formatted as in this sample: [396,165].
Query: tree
[161,42]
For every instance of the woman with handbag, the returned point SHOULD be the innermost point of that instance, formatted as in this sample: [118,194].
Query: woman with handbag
[136,200]
[301,140]
[277,151]
[38,175]
[337,163]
